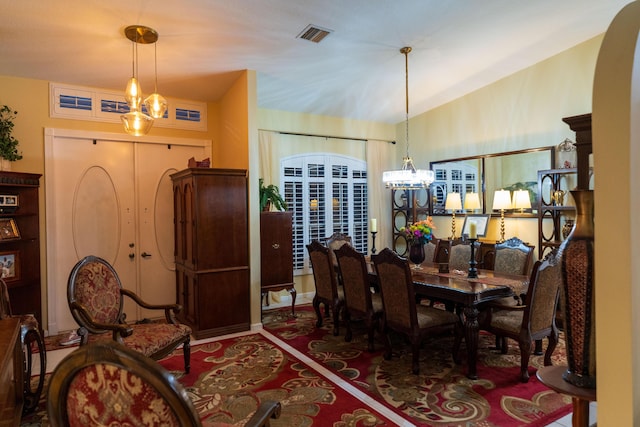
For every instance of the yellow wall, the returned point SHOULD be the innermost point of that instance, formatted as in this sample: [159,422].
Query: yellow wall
[231,149]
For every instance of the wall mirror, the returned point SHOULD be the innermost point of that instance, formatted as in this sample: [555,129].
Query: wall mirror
[484,174]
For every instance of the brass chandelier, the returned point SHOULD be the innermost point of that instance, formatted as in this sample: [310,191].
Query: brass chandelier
[139,120]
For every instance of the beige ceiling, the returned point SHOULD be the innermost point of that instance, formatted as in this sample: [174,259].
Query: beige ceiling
[357,71]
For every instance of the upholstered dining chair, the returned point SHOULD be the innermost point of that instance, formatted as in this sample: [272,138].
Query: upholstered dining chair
[460,254]
[513,256]
[96,299]
[401,312]
[535,319]
[358,298]
[106,383]
[326,281]
[335,241]
[31,340]
[430,250]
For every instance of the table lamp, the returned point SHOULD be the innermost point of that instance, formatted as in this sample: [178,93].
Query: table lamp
[502,201]
[452,203]
[521,200]
[471,201]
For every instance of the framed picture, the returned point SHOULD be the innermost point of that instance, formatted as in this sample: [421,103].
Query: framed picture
[10,265]
[8,229]
[481,221]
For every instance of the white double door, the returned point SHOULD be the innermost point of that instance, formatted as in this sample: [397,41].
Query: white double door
[112,199]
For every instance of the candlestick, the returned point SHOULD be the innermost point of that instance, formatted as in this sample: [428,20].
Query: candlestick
[374,225]
[373,242]
[473,271]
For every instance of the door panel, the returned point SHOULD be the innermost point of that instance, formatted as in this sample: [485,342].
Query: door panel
[114,200]
[155,206]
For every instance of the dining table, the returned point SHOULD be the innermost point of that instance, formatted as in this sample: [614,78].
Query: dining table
[467,295]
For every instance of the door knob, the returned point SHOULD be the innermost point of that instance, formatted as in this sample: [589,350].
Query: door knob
[145,255]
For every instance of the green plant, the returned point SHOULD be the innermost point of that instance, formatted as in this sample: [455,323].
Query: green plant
[270,194]
[8,144]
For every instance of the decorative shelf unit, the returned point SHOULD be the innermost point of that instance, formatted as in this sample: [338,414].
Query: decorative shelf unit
[552,209]
[211,249]
[407,207]
[20,240]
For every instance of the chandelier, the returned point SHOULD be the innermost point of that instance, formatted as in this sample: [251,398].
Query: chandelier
[408,177]
[139,120]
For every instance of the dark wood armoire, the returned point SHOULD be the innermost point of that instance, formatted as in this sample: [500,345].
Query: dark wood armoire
[276,254]
[212,250]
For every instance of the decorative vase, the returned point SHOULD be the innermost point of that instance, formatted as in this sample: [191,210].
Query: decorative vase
[416,254]
[577,296]
[5,165]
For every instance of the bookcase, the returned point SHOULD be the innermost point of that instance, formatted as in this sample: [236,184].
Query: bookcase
[20,241]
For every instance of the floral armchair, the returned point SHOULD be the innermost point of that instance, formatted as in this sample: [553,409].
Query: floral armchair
[96,299]
[108,384]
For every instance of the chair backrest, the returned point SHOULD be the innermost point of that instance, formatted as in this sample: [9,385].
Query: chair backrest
[86,384]
[5,302]
[513,256]
[324,272]
[543,293]
[336,241]
[396,288]
[430,250]
[460,254]
[355,278]
[94,285]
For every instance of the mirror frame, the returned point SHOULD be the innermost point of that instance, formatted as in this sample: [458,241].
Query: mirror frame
[438,210]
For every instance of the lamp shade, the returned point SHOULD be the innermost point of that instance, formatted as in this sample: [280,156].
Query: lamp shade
[453,201]
[501,200]
[521,200]
[136,123]
[471,201]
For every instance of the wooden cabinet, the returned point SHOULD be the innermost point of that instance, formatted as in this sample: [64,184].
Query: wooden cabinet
[11,372]
[407,207]
[276,254]
[212,250]
[553,207]
[20,240]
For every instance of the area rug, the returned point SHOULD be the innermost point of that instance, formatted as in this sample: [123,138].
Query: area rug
[230,377]
[441,395]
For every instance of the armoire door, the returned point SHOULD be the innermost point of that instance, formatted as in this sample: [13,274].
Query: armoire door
[112,199]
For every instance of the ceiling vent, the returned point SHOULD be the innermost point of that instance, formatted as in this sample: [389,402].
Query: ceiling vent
[313,33]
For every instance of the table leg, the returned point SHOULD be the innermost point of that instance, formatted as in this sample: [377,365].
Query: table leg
[471,332]
[580,416]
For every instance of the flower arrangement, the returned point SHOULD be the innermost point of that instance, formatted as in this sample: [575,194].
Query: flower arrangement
[421,232]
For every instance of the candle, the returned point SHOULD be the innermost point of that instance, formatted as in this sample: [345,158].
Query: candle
[473,232]
[374,225]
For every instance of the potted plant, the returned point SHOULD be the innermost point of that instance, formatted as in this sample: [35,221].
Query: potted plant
[270,195]
[8,144]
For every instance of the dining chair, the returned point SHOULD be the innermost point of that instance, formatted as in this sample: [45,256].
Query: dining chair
[335,241]
[535,319]
[513,256]
[96,299]
[107,383]
[460,254]
[401,312]
[430,249]
[326,282]
[32,344]
[358,298]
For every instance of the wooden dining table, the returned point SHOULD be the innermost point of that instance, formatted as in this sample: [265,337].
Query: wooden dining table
[468,295]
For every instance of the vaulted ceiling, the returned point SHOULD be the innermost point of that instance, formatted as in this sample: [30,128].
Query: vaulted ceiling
[357,71]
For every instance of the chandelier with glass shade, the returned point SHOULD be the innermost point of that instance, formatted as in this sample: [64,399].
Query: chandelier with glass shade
[408,177]
[139,120]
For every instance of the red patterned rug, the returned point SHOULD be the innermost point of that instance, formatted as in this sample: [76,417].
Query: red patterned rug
[441,395]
